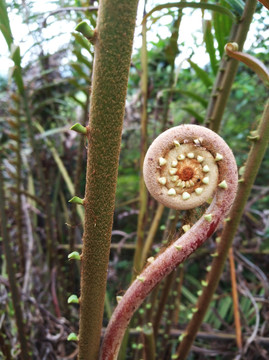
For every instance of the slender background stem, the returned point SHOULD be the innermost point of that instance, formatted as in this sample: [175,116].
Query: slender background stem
[143,194]
[227,70]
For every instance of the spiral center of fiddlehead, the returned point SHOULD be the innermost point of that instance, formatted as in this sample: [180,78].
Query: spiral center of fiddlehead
[185,173]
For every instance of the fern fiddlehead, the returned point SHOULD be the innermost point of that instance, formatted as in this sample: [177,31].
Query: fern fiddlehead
[184,167]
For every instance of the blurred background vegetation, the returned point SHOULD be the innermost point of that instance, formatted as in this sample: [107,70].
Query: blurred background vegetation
[44,89]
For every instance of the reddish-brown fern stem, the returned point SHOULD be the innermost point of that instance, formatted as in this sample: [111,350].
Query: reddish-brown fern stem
[251,169]
[182,248]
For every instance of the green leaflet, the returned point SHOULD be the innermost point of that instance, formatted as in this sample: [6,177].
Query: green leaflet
[194,113]
[15,55]
[209,43]
[202,74]
[83,42]
[82,59]
[78,68]
[4,24]
[190,94]
[222,27]
[237,6]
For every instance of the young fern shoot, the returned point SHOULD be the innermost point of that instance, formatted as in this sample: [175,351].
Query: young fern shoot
[184,167]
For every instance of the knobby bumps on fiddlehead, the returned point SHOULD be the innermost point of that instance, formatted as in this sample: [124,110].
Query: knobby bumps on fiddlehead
[183,168]
[179,170]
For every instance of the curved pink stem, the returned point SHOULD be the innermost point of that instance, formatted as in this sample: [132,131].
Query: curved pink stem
[181,248]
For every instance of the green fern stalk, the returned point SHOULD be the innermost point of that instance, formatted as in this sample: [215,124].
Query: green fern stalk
[113,47]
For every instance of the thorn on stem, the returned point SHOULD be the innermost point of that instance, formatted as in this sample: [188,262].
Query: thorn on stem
[79,128]
[72,337]
[118,298]
[74,256]
[208,217]
[186,227]
[73,299]
[76,200]
[85,30]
